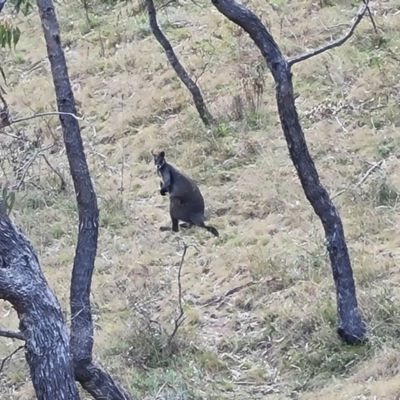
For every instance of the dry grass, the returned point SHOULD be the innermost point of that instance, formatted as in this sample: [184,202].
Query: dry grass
[275,339]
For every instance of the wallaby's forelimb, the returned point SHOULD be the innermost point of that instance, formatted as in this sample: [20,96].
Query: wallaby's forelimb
[165,184]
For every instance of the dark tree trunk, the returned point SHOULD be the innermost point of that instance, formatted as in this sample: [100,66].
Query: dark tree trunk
[47,347]
[350,326]
[194,90]
[96,381]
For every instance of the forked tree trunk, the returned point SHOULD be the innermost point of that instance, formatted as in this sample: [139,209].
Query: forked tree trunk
[350,328]
[194,90]
[93,379]
[47,348]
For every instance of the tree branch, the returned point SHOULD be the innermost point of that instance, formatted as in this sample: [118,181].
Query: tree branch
[12,334]
[181,317]
[58,113]
[351,327]
[63,185]
[3,362]
[92,378]
[336,43]
[191,85]
[22,283]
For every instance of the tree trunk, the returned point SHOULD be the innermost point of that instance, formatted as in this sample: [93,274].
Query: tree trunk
[47,348]
[96,381]
[194,90]
[350,326]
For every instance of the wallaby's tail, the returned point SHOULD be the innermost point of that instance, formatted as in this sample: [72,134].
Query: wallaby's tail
[212,230]
[200,222]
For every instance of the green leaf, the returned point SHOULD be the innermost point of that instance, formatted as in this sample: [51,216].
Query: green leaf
[16,35]
[25,6]
[9,36]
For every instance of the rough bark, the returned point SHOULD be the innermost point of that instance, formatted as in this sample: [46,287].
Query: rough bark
[47,348]
[96,381]
[194,90]
[350,328]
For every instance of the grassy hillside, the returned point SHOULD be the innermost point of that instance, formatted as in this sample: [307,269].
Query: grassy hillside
[275,338]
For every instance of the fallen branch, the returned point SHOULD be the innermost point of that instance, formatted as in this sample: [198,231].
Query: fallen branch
[293,60]
[3,362]
[229,292]
[362,180]
[12,334]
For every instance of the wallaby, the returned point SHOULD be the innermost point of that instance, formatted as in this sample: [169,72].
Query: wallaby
[186,203]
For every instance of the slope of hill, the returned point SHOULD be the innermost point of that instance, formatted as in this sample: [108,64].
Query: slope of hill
[276,337]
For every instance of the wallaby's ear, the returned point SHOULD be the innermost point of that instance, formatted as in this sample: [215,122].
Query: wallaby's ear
[162,154]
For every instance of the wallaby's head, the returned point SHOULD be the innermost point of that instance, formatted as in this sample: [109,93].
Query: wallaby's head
[159,159]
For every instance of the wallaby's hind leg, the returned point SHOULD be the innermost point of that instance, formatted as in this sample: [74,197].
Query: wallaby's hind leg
[175,226]
[186,225]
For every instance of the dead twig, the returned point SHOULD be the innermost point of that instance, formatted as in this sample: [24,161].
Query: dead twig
[157,396]
[44,114]
[293,60]
[181,317]
[370,16]
[63,185]
[28,164]
[9,357]
[4,114]
[11,334]
[362,180]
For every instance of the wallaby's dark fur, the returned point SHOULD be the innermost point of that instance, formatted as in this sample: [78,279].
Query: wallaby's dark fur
[186,201]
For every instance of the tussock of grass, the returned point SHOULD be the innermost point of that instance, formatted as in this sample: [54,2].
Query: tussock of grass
[275,338]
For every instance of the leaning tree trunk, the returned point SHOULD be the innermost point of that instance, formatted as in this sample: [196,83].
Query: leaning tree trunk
[350,328]
[96,381]
[194,90]
[47,348]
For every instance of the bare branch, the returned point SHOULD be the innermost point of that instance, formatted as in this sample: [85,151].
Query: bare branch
[4,115]
[361,12]
[63,184]
[12,334]
[93,379]
[23,284]
[59,113]
[9,357]
[181,317]
[191,85]
[28,164]
[43,114]
[351,328]
[370,16]
[362,180]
